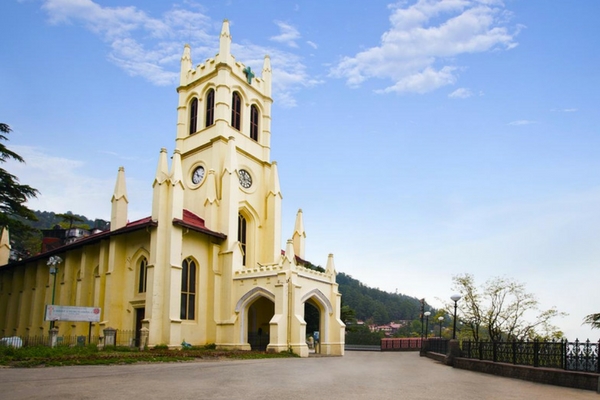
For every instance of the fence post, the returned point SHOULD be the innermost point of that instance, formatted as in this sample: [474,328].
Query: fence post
[536,353]
[564,346]
[53,337]
[598,360]
[495,351]
[110,337]
[514,351]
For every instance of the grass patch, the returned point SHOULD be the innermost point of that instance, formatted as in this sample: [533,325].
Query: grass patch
[36,356]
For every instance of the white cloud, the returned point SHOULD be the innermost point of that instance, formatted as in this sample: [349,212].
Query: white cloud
[312,44]
[288,34]
[289,73]
[151,48]
[522,122]
[414,50]
[461,93]
[66,185]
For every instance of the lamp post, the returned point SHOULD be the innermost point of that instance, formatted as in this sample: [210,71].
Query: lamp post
[440,318]
[455,298]
[53,262]
[427,314]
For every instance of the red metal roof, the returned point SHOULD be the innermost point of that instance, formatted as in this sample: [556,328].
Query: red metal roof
[190,221]
[195,223]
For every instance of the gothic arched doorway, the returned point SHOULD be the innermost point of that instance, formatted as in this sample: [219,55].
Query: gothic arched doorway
[312,317]
[260,313]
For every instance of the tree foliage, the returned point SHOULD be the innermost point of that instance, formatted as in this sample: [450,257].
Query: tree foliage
[69,218]
[501,309]
[370,304]
[13,194]
[593,320]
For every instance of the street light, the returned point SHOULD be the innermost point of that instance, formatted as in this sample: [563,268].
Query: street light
[440,318]
[427,314]
[455,298]
[53,262]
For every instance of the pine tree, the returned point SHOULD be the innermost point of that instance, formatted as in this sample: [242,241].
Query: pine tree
[13,195]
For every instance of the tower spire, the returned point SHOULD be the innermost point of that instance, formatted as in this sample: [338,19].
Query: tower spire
[186,63]
[4,247]
[225,41]
[299,235]
[118,218]
[266,75]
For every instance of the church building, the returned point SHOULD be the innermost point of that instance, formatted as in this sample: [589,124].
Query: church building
[208,265]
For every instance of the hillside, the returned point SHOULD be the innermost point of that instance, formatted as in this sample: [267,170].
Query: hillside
[374,304]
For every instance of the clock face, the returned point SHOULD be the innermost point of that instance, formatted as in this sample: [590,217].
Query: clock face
[245,178]
[198,175]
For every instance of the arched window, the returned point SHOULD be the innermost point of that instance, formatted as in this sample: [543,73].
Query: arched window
[242,236]
[142,275]
[254,122]
[193,115]
[188,289]
[236,111]
[210,108]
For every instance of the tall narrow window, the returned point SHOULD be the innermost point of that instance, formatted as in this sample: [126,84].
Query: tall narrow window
[188,289]
[254,122]
[236,111]
[242,236]
[193,115]
[210,108]
[143,275]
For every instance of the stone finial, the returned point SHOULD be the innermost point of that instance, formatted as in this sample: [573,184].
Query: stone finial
[119,202]
[4,247]
[176,172]
[289,251]
[225,40]
[330,269]
[266,75]
[162,170]
[299,236]
[275,188]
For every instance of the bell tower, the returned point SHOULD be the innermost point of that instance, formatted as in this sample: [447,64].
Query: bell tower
[224,139]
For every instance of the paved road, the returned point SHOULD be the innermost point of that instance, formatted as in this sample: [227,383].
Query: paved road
[357,375]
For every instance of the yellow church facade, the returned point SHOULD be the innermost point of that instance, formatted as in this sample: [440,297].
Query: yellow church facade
[208,265]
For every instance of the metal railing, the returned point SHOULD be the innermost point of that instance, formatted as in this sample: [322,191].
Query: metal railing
[123,338]
[571,356]
[438,345]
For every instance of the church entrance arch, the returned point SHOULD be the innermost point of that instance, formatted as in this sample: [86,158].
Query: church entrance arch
[312,317]
[260,313]
[256,309]
[316,310]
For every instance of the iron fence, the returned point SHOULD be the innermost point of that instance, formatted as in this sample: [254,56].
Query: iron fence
[123,338]
[437,345]
[571,356]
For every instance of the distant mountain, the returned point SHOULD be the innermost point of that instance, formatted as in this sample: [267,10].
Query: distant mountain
[48,219]
[369,303]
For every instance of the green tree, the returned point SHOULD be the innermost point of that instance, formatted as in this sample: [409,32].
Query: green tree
[70,218]
[14,195]
[347,315]
[593,320]
[498,309]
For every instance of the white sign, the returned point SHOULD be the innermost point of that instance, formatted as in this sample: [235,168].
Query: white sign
[68,313]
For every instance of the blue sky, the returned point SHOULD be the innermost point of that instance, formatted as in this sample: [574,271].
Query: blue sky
[422,139]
